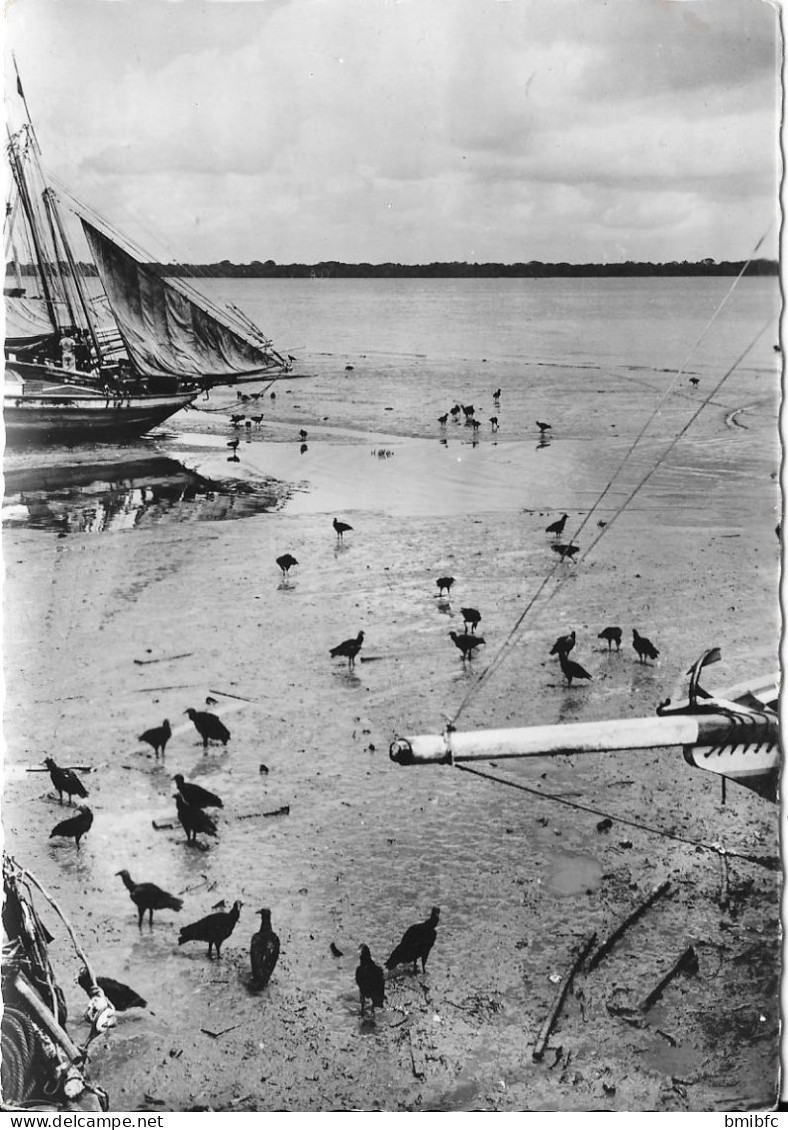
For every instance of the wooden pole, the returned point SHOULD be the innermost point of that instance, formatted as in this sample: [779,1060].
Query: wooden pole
[560,996]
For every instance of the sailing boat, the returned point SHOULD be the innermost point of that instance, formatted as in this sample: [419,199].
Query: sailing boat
[108,367]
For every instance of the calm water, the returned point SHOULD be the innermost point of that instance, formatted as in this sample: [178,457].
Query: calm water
[596,322]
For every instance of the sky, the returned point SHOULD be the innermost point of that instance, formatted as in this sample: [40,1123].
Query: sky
[410,131]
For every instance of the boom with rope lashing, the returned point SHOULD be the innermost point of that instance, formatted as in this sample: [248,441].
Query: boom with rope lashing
[733,733]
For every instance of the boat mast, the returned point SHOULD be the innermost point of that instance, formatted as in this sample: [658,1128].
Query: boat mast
[52,231]
[27,205]
[50,200]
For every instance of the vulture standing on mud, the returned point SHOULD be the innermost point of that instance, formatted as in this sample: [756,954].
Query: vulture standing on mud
[348,649]
[341,529]
[194,820]
[196,795]
[564,644]
[645,648]
[148,897]
[571,669]
[557,528]
[120,996]
[566,550]
[369,978]
[157,738]
[444,583]
[417,941]
[466,643]
[263,951]
[470,618]
[76,826]
[65,780]
[213,929]
[285,563]
[208,726]
[613,636]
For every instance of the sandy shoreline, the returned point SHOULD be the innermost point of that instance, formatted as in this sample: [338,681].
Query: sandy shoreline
[368,846]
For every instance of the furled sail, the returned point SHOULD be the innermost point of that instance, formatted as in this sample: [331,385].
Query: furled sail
[167,333]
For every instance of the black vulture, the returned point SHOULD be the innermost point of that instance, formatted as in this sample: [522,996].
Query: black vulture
[645,648]
[233,444]
[543,427]
[571,669]
[208,726]
[213,929]
[564,644]
[470,617]
[76,826]
[417,941]
[157,738]
[466,643]
[444,583]
[442,420]
[264,950]
[613,636]
[194,820]
[566,550]
[196,795]
[341,529]
[148,897]
[65,780]
[120,996]
[557,528]
[349,648]
[286,562]
[369,978]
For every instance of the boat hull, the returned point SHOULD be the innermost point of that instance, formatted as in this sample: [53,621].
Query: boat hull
[77,417]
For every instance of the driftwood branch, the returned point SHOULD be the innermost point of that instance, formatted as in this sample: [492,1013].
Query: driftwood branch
[560,996]
[605,947]
[416,1058]
[686,963]
[283,811]
[226,694]
[224,1031]
[163,659]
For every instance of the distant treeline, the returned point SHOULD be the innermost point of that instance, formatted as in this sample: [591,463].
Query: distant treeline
[532,270]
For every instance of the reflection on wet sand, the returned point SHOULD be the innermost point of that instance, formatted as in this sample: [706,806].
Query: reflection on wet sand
[105,497]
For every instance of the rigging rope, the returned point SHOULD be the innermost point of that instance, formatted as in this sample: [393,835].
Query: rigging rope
[507,644]
[760,861]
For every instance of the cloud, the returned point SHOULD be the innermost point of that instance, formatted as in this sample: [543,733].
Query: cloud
[372,130]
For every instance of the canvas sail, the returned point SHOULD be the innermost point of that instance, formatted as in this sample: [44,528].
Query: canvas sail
[167,334]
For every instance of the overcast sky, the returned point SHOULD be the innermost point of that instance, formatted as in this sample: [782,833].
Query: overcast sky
[411,130]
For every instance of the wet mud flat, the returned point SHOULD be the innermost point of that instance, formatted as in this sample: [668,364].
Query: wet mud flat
[106,636]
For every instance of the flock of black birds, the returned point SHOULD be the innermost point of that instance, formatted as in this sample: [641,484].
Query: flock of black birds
[416,944]
[468,411]
[192,799]
[612,635]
